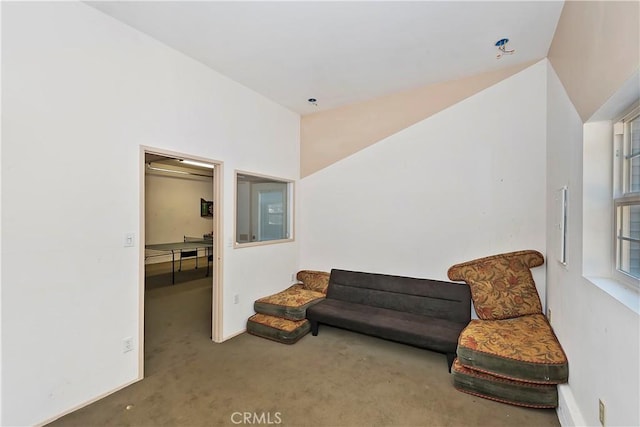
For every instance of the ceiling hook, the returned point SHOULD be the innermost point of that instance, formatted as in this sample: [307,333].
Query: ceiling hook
[502,47]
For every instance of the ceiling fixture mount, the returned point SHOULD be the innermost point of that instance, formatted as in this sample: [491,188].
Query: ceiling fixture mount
[313,101]
[502,47]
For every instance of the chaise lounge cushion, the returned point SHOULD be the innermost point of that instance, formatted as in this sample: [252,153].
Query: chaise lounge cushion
[523,349]
[291,304]
[502,389]
[314,280]
[277,329]
[502,286]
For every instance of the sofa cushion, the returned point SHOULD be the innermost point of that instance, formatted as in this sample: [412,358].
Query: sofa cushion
[524,348]
[277,329]
[418,330]
[502,389]
[502,286]
[314,280]
[290,304]
[426,297]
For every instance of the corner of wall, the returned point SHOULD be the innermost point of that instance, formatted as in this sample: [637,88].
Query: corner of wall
[1,382]
[595,48]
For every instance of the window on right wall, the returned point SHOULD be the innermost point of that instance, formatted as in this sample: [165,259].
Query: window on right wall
[627,199]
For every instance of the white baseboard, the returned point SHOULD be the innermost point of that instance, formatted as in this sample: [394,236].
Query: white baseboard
[88,402]
[228,337]
[568,412]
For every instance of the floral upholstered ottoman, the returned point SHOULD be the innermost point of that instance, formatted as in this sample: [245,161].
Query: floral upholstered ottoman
[292,303]
[289,304]
[282,317]
[523,348]
[503,390]
[277,329]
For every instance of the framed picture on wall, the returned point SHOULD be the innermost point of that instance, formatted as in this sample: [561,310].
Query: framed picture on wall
[206,207]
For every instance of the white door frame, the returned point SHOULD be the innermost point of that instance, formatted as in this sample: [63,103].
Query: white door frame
[216,303]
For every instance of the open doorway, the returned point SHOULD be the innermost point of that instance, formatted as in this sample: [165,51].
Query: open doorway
[180,283]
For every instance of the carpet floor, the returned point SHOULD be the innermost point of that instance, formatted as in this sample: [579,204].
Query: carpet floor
[338,378]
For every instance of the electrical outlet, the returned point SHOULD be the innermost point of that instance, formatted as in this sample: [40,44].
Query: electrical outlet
[601,411]
[236,299]
[127,344]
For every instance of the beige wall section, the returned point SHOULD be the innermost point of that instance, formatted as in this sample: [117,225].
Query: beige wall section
[329,136]
[596,48]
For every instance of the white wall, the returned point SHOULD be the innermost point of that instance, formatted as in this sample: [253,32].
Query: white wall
[599,334]
[81,93]
[1,210]
[465,183]
[172,209]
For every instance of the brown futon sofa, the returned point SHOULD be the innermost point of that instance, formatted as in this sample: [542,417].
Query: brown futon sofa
[421,312]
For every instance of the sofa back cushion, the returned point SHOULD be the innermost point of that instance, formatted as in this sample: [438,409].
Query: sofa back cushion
[502,286]
[444,300]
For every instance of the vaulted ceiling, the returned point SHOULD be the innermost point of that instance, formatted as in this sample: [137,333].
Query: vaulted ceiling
[344,52]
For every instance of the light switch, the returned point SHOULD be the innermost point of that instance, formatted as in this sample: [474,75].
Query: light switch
[129,240]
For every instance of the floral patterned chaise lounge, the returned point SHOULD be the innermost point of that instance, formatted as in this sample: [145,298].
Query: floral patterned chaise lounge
[282,316]
[510,353]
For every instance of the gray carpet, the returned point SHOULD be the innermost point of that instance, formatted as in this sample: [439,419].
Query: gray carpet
[160,275]
[338,378]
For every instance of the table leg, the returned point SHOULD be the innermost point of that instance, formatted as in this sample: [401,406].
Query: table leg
[173,263]
[207,253]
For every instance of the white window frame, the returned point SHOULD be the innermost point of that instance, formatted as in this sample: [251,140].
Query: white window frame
[622,194]
[289,210]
